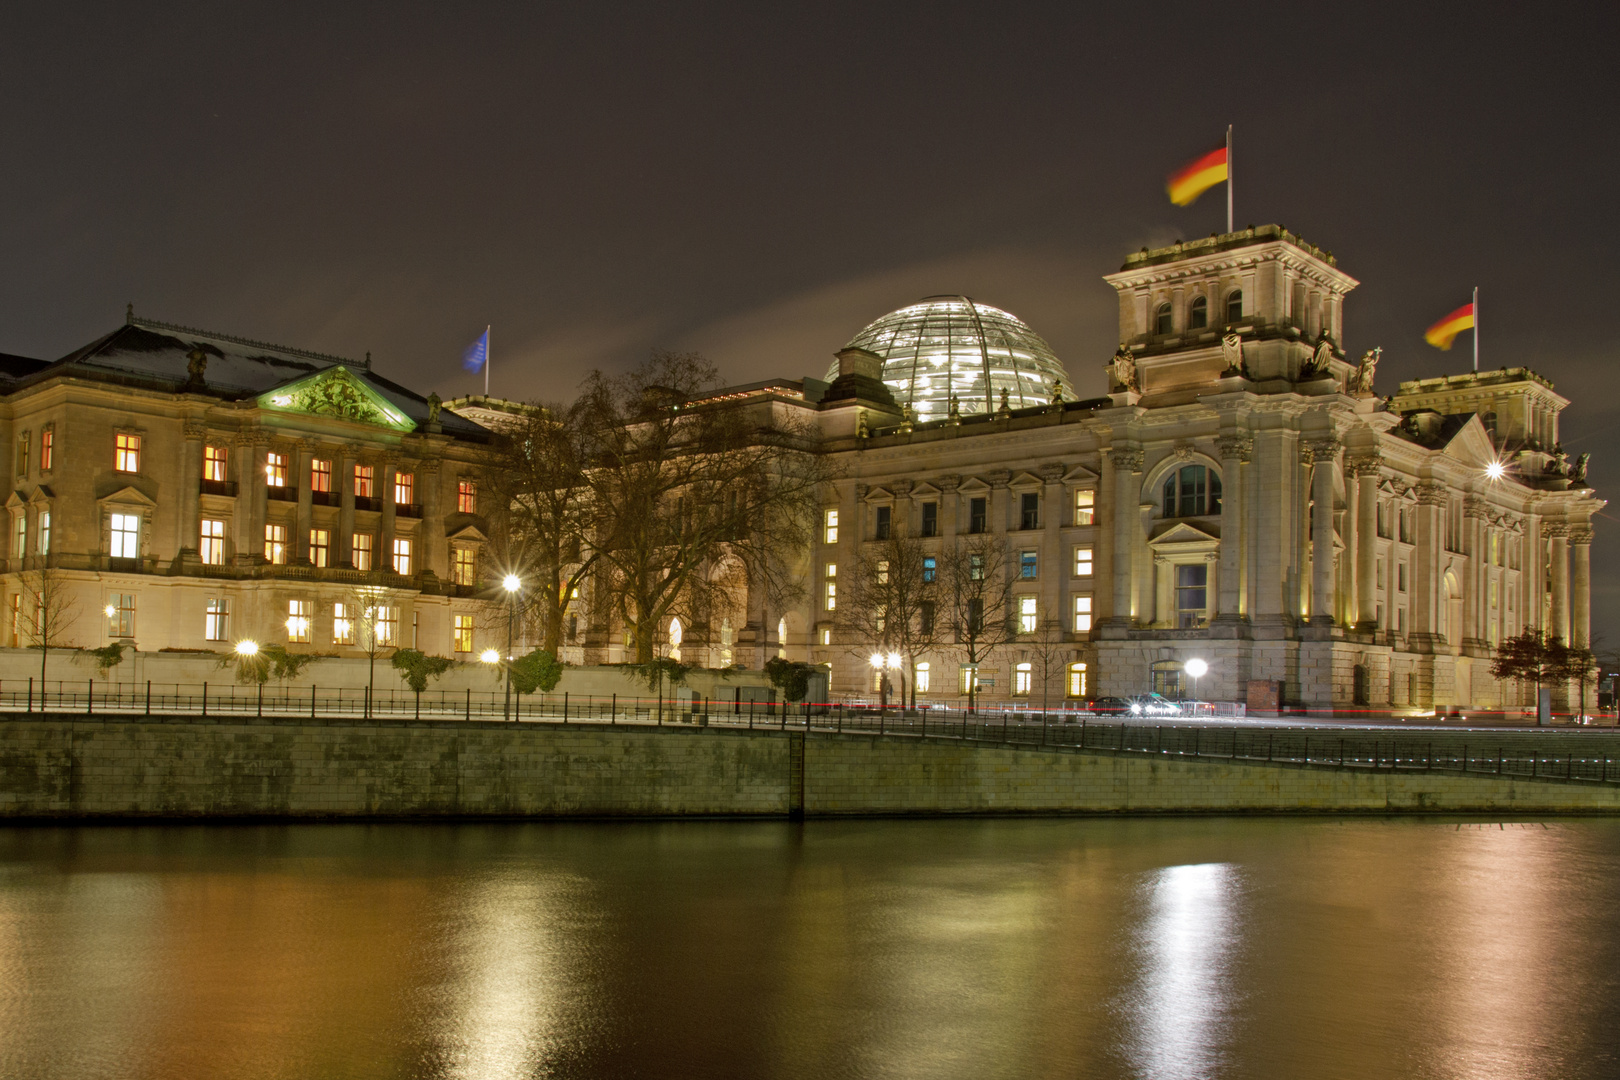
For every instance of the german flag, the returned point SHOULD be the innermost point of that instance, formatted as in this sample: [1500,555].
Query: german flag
[1186,185]
[1442,333]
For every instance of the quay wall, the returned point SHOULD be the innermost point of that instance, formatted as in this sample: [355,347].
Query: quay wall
[114,766]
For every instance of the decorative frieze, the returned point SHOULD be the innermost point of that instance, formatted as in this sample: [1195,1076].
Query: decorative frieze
[1240,447]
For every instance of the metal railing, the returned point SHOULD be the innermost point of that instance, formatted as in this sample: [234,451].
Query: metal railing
[1574,755]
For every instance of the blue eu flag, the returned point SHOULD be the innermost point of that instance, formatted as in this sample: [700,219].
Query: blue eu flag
[477,353]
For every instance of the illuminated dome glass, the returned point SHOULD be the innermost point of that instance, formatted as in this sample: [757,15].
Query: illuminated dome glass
[951,345]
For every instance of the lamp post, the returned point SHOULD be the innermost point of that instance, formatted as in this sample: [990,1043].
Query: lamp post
[883,681]
[1197,669]
[512,584]
[894,666]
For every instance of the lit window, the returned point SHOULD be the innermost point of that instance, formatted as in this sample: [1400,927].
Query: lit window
[16,620]
[385,625]
[362,481]
[1085,506]
[1198,316]
[1082,561]
[44,532]
[121,615]
[320,475]
[1161,320]
[342,625]
[1082,614]
[920,680]
[217,619]
[320,547]
[1026,565]
[126,536]
[975,567]
[461,565]
[362,551]
[1077,680]
[1234,306]
[23,442]
[831,529]
[19,534]
[212,548]
[298,622]
[832,595]
[1191,594]
[275,544]
[826,635]
[1192,491]
[275,470]
[969,679]
[215,459]
[1023,677]
[47,448]
[128,453]
[930,567]
[466,497]
[404,488]
[402,556]
[462,634]
[1027,614]
[883,571]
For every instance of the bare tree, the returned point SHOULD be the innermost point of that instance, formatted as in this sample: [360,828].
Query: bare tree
[680,481]
[372,627]
[889,603]
[1048,653]
[50,610]
[977,577]
[543,514]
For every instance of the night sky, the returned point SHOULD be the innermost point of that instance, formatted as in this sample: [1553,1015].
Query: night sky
[757,182]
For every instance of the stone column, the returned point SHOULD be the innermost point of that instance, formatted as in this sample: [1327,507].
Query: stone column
[1235,450]
[998,508]
[949,505]
[1558,620]
[900,516]
[1323,453]
[385,528]
[253,488]
[186,540]
[1580,586]
[1475,610]
[347,458]
[1127,467]
[1274,467]
[1367,467]
[1431,496]
[430,537]
[1054,573]
[303,453]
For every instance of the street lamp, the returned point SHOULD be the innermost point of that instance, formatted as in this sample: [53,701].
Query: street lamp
[894,666]
[511,583]
[883,681]
[1197,669]
[247,647]
[490,656]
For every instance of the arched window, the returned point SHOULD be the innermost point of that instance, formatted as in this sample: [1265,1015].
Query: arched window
[1198,317]
[1234,306]
[674,639]
[781,638]
[1192,491]
[1161,321]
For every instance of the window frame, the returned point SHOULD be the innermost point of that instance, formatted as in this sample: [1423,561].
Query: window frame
[466,496]
[275,543]
[212,543]
[126,452]
[1198,313]
[216,460]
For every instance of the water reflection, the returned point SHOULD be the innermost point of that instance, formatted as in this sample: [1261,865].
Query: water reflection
[1185,942]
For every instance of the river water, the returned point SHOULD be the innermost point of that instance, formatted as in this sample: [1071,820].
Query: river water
[1162,948]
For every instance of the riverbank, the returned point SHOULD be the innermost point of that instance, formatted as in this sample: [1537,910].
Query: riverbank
[117,766]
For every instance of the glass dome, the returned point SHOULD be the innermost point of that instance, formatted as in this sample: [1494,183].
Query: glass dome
[946,346]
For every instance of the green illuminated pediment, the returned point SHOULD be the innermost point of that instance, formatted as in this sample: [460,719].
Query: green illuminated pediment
[336,392]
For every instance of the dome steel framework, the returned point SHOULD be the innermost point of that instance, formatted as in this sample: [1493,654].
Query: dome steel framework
[945,346]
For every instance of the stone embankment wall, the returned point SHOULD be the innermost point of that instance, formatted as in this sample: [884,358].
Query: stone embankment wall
[130,766]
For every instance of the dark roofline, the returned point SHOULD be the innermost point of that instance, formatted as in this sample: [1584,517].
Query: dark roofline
[152,324]
[1215,243]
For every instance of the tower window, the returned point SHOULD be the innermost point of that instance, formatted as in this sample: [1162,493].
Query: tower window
[1234,306]
[1198,317]
[1192,491]
[1161,320]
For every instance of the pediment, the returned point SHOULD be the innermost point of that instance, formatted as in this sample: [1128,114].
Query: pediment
[1079,474]
[1180,533]
[1471,444]
[337,392]
[1025,480]
[973,486]
[16,500]
[925,490]
[879,494]
[42,494]
[128,496]
[468,534]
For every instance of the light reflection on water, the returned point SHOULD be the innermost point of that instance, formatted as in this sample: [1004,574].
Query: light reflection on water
[1172,948]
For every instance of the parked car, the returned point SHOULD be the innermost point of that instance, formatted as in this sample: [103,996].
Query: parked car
[1109,706]
[1154,705]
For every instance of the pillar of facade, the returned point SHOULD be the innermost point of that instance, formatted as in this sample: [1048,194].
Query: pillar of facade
[256,491]
[1580,586]
[1235,450]
[1053,571]
[999,507]
[304,454]
[347,459]
[430,537]
[1323,453]
[1475,612]
[900,516]
[1367,468]
[1431,496]
[1558,620]
[383,559]
[949,504]
[1127,467]
[186,540]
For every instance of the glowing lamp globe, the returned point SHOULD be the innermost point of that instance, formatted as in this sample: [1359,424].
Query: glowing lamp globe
[1196,668]
[512,583]
[247,648]
[490,656]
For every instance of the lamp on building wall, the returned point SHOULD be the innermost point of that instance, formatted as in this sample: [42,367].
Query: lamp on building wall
[1196,669]
[490,656]
[247,647]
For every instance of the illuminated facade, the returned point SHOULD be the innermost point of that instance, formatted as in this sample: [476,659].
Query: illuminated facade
[180,489]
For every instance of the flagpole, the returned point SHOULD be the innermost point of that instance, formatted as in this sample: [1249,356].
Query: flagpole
[1476,328]
[1228,177]
[486,361]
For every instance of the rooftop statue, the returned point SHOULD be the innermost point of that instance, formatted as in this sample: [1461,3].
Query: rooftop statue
[1577,472]
[1363,378]
[435,403]
[1123,368]
[196,364]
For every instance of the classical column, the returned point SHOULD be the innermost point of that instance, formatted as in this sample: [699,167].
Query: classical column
[949,504]
[1323,453]
[253,488]
[304,453]
[347,458]
[1235,450]
[1054,573]
[1431,496]
[431,535]
[1580,586]
[384,557]
[1558,620]
[1478,576]
[1127,467]
[998,508]
[186,540]
[900,516]
[1367,467]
